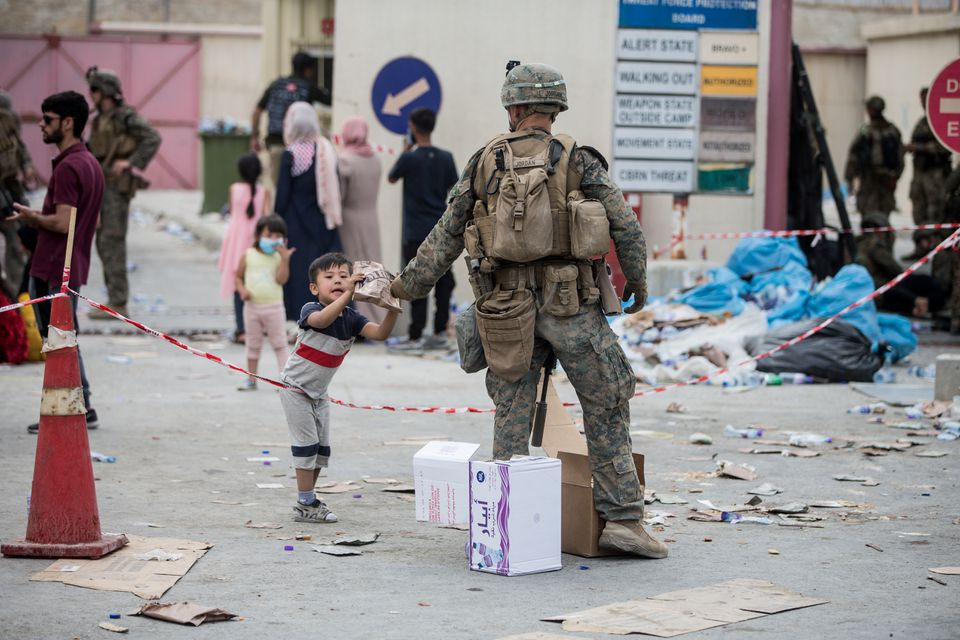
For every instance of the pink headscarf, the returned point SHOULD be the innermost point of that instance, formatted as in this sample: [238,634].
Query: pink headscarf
[353,132]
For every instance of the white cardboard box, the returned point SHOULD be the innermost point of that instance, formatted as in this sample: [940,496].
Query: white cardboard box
[515,515]
[441,481]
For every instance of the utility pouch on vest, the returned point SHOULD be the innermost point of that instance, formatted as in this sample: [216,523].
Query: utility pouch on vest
[506,322]
[609,302]
[469,344]
[560,295]
[524,221]
[589,228]
[589,291]
[471,240]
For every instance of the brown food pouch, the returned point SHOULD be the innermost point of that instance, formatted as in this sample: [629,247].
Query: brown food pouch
[375,287]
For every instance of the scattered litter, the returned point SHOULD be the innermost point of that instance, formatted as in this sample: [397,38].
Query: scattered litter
[937,580]
[337,487]
[863,480]
[250,524]
[122,571]
[183,613]
[736,518]
[118,359]
[790,507]
[700,438]
[680,612]
[912,533]
[676,407]
[101,457]
[946,571]
[400,488]
[749,432]
[906,425]
[455,525]
[930,453]
[159,555]
[288,547]
[773,552]
[584,567]
[269,485]
[653,435]
[109,626]
[874,547]
[808,439]
[423,604]
[418,441]
[114,616]
[898,395]
[263,459]
[950,431]
[708,539]
[70,567]
[333,550]
[357,541]
[738,471]
[766,489]
[834,504]
[876,407]
[152,525]
[380,480]
[669,499]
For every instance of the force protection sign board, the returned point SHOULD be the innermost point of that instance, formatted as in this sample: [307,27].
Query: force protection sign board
[943,106]
[652,44]
[726,146]
[655,176]
[656,77]
[724,48]
[402,85]
[689,14]
[728,114]
[648,142]
[728,81]
[656,111]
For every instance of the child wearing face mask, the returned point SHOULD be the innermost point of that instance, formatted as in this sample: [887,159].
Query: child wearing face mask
[260,277]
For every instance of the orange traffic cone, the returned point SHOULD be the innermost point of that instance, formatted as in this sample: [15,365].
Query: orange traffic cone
[64,521]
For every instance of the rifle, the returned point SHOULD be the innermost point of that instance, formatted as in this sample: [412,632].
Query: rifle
[540,414]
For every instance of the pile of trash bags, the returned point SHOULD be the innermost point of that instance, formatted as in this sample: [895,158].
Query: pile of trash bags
[763,297]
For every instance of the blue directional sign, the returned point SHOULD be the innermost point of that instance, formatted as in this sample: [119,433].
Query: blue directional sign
[689,14]
[404,84]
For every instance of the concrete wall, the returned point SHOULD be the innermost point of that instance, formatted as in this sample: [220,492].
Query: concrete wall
[467,44]
[230,76]
[904,55]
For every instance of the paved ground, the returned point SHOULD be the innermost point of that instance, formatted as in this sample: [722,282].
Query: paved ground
[181,435]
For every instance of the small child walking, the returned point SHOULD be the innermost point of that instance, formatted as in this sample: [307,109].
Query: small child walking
[248,199]
[261,274]
[328,328]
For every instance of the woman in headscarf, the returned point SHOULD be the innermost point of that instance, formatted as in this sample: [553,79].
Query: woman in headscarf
[308,198]
[359,171]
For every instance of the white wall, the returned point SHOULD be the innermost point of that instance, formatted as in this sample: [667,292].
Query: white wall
[230,76]
[467,44]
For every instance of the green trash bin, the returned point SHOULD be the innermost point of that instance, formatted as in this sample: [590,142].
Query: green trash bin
[220,154]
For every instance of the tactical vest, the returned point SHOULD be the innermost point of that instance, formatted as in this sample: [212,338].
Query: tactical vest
[9,145]
[529,206]
[110,140]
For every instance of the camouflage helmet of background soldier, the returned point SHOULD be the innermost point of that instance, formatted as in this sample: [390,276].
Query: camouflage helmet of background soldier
[105,81]
[535,84]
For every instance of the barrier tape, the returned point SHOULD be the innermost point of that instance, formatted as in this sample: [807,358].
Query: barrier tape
[796,233]
[27,303]
[379,148]
[947,243]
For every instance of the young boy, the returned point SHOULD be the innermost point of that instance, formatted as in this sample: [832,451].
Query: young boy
[328,328]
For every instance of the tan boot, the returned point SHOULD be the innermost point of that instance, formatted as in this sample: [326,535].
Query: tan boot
[630,537]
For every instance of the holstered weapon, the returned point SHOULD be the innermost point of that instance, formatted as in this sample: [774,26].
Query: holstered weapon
[540,414]
[609,302]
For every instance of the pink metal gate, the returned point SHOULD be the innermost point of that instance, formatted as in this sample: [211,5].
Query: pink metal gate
[161,79]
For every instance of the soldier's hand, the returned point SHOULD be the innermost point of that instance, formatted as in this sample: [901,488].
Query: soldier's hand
[397,290]
[255,145]
[638,290]
[119,166]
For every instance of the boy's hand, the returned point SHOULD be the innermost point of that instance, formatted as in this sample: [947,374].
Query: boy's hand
[352,283]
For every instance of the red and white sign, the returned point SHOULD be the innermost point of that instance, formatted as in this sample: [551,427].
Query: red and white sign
[943,106]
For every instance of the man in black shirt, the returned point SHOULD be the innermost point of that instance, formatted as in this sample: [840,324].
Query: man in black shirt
[427,173]
[282,92]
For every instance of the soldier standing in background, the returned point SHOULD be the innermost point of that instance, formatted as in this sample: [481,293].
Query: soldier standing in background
[875,162]
[931,165]
[120,140]
[538,286]
[15,163]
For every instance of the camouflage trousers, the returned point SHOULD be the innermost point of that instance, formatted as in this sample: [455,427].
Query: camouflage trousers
[112,245]
[876,196]
[927,194]
[598,369]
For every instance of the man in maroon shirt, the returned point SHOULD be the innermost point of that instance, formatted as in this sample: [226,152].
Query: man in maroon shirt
[76,181]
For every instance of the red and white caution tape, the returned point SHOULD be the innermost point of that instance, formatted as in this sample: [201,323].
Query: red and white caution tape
[27,303]
[379,148]
[946,244]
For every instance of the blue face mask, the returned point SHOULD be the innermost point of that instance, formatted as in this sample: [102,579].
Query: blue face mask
[268,246]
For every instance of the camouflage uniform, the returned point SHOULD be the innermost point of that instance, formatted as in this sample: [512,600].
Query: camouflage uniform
[120,134]
[14,159]
[951,261]
[584,343]
[876,158]
[931,165]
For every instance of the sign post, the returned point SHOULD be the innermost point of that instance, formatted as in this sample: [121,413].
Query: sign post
[943,106]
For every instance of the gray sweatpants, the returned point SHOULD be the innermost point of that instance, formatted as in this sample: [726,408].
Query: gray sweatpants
[309,424]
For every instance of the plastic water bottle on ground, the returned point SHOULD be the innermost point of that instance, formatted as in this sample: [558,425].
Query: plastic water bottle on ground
[885,376]
[949,430]
[929,371]
[807,439]
[750,432]
[915,412]
[876,407]
[100,457]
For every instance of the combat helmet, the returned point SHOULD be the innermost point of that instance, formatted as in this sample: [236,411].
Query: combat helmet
[534,83]
[105,81]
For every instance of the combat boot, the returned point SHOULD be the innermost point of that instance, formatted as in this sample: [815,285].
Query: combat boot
[629,536]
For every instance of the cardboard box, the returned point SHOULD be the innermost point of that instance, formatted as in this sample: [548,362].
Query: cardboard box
[582,525]
[515,516]
[441,471]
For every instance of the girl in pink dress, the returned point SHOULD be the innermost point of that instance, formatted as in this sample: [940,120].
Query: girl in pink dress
[248,201]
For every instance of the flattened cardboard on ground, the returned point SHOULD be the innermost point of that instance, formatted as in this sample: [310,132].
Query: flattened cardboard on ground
[121,571]
[183,613]
[946,571]
[678,612]
[581,525]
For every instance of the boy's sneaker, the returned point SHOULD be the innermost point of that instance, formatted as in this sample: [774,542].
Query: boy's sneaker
[316,512]
[92,422]
[248,385]
[408,347]
[436,343]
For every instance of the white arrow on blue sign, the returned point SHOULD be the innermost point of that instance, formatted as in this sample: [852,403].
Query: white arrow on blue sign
[404,84]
